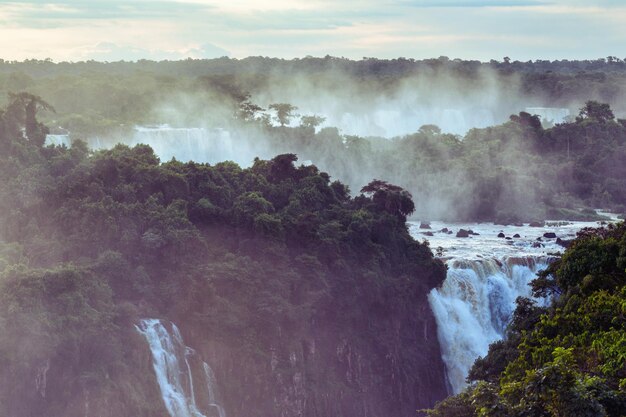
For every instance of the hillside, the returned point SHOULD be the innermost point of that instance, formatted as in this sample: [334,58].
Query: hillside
[304,300]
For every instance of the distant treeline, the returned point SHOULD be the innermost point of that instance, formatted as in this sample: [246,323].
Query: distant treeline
[103,95]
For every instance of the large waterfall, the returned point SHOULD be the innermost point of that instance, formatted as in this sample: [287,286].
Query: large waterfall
[187,144]
[175,377]
[487,271]
[474,306]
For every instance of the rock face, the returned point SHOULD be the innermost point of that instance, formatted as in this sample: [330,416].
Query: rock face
[321,370]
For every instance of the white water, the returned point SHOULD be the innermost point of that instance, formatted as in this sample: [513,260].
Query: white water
[176,382]
[391,122]
[186,144]
[58,140]
[552,115]
[202,145]
[485,276]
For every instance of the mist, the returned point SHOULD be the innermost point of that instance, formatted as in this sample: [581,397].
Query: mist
[408,131]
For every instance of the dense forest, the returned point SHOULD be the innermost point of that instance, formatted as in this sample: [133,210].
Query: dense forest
[566,359]
[306,293]
[515,172]
[306,300]
[518,169]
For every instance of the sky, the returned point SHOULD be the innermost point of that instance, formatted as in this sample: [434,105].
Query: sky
[111,30]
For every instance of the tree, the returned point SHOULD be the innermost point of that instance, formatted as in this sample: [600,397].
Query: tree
[596,111]
[22,110]
[284,112]
[390,198]
[247,110]
[311,121]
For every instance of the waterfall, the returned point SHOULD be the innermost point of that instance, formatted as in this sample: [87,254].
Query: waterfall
[186,144]
[58,140]
[474,306]
[212,390]
[550,114]
[176,382]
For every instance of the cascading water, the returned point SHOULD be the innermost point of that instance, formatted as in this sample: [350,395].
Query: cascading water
[474,306]
[59,140]
[212,390]
[487,271]
[176,382]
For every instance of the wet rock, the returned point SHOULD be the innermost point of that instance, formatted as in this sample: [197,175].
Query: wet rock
[428,233]
[518,224]
[462,233]
[501,235]
[508,238]
[516,235]
[537,245]
[536,224]
[424,225]
[444,230]
[563,242]
[549,235]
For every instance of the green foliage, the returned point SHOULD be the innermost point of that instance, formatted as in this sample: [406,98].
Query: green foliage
[262,257]
[284,112]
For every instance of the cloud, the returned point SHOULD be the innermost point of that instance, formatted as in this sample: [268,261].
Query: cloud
[473,3]
[36,11]
[170,29]
[106,51]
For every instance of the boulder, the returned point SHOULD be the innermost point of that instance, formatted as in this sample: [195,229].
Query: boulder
[428,233]
[563,242]
[549,235]
[444,230]
[462,233]
[424,225]
[516,235]
[501,235]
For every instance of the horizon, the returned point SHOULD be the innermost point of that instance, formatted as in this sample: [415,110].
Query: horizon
[364,58]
